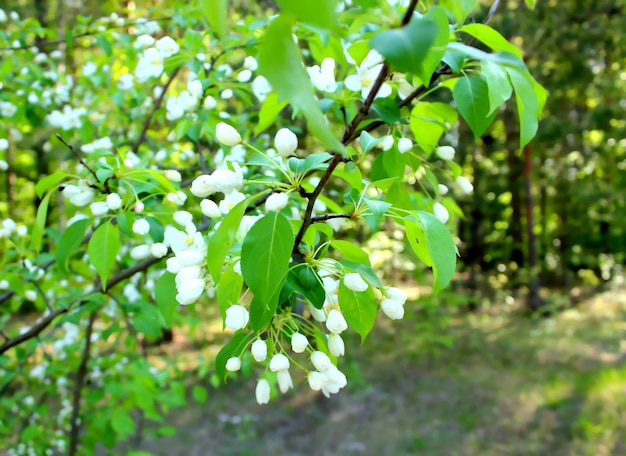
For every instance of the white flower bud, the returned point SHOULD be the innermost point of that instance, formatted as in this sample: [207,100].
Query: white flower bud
[225,180]
[140,252]
[285,383]
[335,322]
[317,314]
[190,291]
[141,227]
[299,342]
[227,135]
[250,63]
[244,76]
[4,284]
[336,345]
[355,282]
[259,350]
[237,317]
[262,391]
[173,266]
[4,144]
[183,218]
[233,364]
[209,103]
[387,143]
[321,361]
[445,152]
[138,207]
[99,209]
[285,142]
[173,175]
[396,293]
[279,362]
[441,212]
[317,380]
[465,185]
[404,145]
[188,258]
[114,201]
[276,201]
[443,190]
[158,250]
[210,209]
[393,309]
[30,295]
[202,186]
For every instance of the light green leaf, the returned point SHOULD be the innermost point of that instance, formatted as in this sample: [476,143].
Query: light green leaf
[497,78]
[281,63]
[368,142]
[471,95]
[48,182]
[428,122]
[200,394]
[320,13]
[222,240]
[216,14]
[269,111]
[122,423]
[460,9]
[530,4]
[103,247]
[530,97]
[229,289]
[491,38]
[70,240]
[359,309]
[265,255]
[165,294]
[351,174]
[351,251]
[36,234]
[433,244]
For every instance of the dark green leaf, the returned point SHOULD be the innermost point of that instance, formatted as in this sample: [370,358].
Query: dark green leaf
[471,95]
[103,247]
[530,98]
[222,240]
[497,78]
[358,308]
[70,240]
[165,294]
[235,347]
[387,109]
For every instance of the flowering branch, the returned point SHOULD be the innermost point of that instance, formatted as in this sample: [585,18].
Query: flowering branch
[45,321]
[323,218]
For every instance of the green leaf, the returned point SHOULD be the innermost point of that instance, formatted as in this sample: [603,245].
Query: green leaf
[265,255]
[497,78]
[351,252]
[433,244]
[502,57]
[103,247]
[72,238]
[269,111]
[417,47]
[222,240]
[200,394]
[429,122]
[104,44]
[216,14]
[36,234]
[307,282]
[460,9]
[351,174]
[491,38]
[358,308]
[530,98]
[49,181]
[281,63]
[165,294]
[122,423]
[387,109]
[530,4]
[229,289]
[368,142]
[378,208]
[471,95]
[235,347]
[320,13]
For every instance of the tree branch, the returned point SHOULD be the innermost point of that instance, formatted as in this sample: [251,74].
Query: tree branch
[45,321]
[81,374]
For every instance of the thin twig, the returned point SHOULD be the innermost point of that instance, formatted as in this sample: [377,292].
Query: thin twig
[157,105]
[323,218]
[81,374]
[43,295]
[80,159]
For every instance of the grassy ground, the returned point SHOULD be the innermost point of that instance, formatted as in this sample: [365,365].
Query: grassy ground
[508,385]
